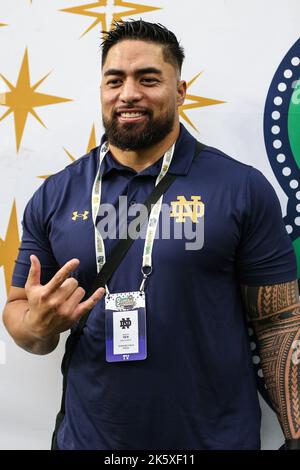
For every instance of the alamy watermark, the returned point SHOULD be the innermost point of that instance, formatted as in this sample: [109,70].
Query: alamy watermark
[296,94]
[184,220]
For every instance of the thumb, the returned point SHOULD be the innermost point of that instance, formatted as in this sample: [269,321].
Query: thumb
[34,275]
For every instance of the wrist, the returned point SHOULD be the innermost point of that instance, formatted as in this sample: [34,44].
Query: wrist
[37,335]
[292,444]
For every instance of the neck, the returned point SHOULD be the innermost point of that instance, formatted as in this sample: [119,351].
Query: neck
[138,160]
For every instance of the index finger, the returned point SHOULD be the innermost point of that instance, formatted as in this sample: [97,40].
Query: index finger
[60,276]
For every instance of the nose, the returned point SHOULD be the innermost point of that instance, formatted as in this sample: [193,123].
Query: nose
[130,92]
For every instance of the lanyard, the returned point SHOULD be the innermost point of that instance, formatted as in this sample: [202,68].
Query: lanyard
[154,216]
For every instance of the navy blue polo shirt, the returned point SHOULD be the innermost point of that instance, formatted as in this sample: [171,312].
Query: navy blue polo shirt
[196,389]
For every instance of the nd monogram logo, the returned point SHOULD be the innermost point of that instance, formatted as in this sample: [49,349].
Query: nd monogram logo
[83,216]
[181,209]
[125,323]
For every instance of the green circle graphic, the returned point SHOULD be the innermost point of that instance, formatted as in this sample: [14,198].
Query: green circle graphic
[294,122]
[294,140]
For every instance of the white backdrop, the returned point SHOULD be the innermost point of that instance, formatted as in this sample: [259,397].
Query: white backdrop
[236,44]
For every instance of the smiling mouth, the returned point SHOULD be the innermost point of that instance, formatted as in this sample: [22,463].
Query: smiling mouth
[134,114]
[131,115]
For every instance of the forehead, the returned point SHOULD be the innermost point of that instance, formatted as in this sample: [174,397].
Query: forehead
[132,54]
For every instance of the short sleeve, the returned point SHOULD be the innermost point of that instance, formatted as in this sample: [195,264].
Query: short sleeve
[265,253]
[34,241]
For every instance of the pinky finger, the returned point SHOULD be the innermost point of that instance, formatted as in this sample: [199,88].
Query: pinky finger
[88,304]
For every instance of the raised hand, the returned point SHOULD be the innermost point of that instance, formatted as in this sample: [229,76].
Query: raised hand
[55,306]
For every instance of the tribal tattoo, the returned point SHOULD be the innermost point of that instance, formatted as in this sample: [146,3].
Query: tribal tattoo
[274,312]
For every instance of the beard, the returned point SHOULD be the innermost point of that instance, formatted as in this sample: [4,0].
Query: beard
[138,136]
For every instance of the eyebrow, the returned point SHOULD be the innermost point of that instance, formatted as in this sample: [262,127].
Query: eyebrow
[142,71]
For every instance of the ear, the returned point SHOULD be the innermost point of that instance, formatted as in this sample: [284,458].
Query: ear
[181,92]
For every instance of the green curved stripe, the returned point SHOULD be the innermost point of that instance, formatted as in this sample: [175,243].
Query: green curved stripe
[296,244]
[294,123]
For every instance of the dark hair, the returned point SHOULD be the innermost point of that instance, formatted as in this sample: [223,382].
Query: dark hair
[150,32]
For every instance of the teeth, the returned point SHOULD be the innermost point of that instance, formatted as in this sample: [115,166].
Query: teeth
[131,115]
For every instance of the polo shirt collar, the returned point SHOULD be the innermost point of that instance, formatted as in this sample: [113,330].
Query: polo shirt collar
[181,162]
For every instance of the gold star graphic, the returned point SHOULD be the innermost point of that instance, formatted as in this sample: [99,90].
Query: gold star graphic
[9,247]
[22,99]
[197,102]
[91,145]
[106,12]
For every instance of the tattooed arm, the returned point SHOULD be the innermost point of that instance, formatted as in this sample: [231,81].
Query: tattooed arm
[275,313]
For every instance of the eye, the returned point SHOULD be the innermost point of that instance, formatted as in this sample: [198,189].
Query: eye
[149,81]
[113,82]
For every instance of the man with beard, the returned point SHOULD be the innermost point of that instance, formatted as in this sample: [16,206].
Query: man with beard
[163,360]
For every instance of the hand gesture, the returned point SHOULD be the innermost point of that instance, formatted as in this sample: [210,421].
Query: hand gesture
[56,306]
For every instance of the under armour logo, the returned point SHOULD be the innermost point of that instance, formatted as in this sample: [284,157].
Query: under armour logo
[125,323]
[83,216]
[181,209]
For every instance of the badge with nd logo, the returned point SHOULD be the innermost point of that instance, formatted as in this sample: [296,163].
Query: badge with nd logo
[183,209]
[125,326]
